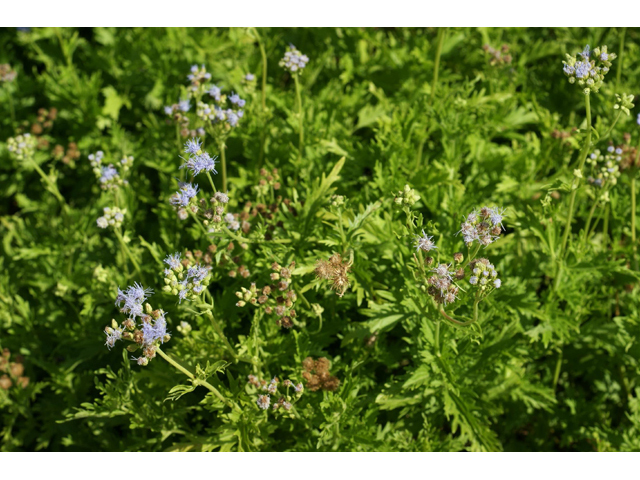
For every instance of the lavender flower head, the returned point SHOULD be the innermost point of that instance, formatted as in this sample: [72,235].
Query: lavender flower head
[484,226]
[200,163]
[184,105]
[638,120]
[249,77]
[425,242]
[154,331]
[130,301]
[264,401]
[294,60]
[173,261]
[236,100]
[184,195]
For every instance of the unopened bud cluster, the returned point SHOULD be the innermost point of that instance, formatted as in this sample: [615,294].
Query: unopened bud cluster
[294,61]
[441,285]
[109,175]
[589,71]
[624,102]
[484,275]
[186,279]
[12,371]
[113,217]
[317,375]
[498,57]
[22,147]
[407,197]
[605,166]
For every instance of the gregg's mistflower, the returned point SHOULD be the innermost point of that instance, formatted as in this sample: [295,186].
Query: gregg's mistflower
[236,100]
[425,242]
[232,222]
[113,217]
[588,72]
[221,197]
[108,175]
[484,275]
[188,281]
[215,92]
[484,226]
[294,60]
[638,120]
[264,401]
[149,334]
[23,146]
[441,285]
[184,195]
[202,162]
[184,105]
[249,77]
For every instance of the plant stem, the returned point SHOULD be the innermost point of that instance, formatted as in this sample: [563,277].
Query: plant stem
[436,66]
[301,126]
[586,227]
[52,186]
[195,380]
[128,252]
[223,160]
[263,135]
[211,182]
[620,57]
[437,338]
[633,216]
[556,373]
[576,180]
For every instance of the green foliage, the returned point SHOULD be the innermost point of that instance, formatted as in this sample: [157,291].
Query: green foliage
[548,361]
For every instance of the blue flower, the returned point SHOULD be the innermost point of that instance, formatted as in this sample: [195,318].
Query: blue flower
[173,260]
[236,100]
[157,331]
[604,57]
[214,91]
[168,110]
[585,53]
[568,69]
[193,146]
[232,118]
[184,105]
[582,69]
[112,337]
[473,280]
[497,283]
[108,173]
[201,163]
[184,196]
[638,120]
[424,242]
[132,298]
[496,216]
[249,77]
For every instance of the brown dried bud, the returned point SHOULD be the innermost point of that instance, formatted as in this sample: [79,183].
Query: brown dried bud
[5,382]
[308,364]
[460,274]
[458,257]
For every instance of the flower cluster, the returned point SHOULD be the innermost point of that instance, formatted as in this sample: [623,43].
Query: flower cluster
[185,278]
[216,214]
[498,57]
[22,146]
[605,167]
[68,156]
[198,77]
[278,298]
[12,371]
[113,217]
[148,334]
[216,114]
[406,197]
[108,175]
[7,74]
[284,401]
[484,275]
[590,70]
[484,226]
[336,270]
[441,284]
[185,196]
[317,375]
[198,160]
[294,60]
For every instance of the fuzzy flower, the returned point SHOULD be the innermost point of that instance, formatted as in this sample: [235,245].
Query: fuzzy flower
[232,223]
[154,332]
[173,261]
[187,282]
[236,100]
[215,92]
[264,401]
[184,105]
[249,77]
[200,163]
[483,226]
[130,301]
[425,242]
[185,194]
[193,146]
[113,335]
[485,274]
[589,72]
[221,197]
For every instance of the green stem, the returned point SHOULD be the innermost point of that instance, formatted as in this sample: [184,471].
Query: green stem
[52,186]
[620,57]
[211,182]
[605,226]
[300,119]
[576,180]
[436,66]
[458,322]
[437,338]
[633,217]
[223,160]
[196,381]
[556,373]
[586,227]
[127,251]
[264,70]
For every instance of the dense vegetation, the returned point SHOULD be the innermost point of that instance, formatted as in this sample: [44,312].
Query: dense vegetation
[410,239]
